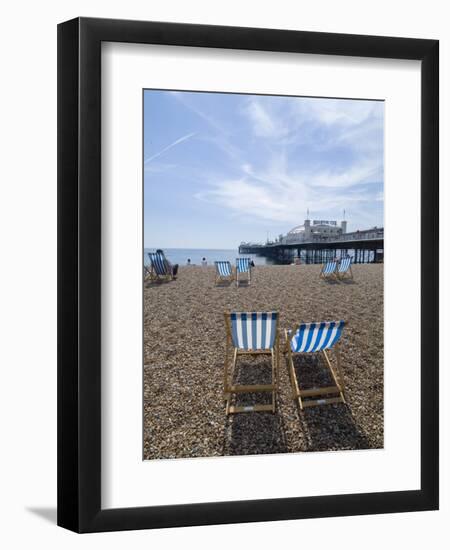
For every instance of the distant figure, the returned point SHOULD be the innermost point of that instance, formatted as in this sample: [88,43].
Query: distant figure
[173,268]
[204,262]
[252,263]
[188,261]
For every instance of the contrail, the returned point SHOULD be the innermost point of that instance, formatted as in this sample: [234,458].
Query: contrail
[176,142]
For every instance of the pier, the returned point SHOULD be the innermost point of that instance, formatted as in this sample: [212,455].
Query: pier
[365,246]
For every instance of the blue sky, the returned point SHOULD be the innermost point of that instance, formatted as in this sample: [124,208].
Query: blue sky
[224,168]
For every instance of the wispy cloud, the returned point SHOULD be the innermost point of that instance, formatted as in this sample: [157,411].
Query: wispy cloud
[158,167]
[165,149]
[261,161]
[182,98]
[284,199]
[218,135]
[344,137]
[298,119]
[264,124]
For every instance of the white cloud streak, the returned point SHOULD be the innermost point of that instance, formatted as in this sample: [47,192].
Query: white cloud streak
[219,137]
[165,149]
[264,125]
[280,201]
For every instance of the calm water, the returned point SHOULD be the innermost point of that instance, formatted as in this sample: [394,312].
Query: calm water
[181,255]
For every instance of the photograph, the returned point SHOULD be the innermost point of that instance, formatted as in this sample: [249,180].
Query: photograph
[263,232]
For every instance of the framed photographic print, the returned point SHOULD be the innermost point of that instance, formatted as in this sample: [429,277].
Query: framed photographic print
[248,274]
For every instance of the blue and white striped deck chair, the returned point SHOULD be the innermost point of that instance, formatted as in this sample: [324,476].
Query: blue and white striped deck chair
[345,268]
[329,270]
[159,269]
[316,338]
[250,334]
[243,267]
[223,272]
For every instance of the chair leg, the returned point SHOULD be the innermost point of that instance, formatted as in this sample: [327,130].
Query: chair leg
[226,394]
[296,386]
[277,367]
[274,378]
[339,371]
[225,370]
[338,380]
[228,376]
[294,382]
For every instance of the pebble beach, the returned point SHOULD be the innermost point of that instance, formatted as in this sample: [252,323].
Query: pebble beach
[184,351]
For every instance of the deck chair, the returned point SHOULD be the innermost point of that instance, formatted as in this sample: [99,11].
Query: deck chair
[159,270]
[250,334]
[223,272]
[147,273]
[243,268]
[344,269]
[316,338]
[329,270]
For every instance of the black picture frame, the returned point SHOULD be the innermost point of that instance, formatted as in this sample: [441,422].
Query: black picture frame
[79,274]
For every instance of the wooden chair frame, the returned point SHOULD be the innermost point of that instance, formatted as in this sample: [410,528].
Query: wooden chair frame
[247,273]
[327,276]
[147,273]
[322,395]
[223,278]
[229,388]
[341,276]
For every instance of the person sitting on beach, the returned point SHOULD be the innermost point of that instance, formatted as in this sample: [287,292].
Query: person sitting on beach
[204,262]
[172,268]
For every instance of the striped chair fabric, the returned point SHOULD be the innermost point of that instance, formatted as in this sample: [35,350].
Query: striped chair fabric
[243,265]
[312,337]
[329,268]
[344,264]
[223,268]
[255,331]
[158,263]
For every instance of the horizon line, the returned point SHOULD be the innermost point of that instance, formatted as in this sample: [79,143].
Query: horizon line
[189,247]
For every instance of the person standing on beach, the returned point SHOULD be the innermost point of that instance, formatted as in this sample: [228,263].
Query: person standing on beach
[204,262]
[188,261]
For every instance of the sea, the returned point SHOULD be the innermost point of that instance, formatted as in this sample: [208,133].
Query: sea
[180,256]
